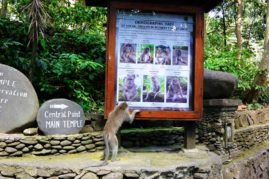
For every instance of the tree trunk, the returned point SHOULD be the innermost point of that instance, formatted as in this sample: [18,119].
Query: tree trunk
[261,78]
[4,8]
[37,16]
[224,24]
[238,26]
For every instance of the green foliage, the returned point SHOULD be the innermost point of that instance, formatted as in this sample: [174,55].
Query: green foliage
[245,69]
[255,105]
[13,44]
[73,67]
[74,77]
[221,48]
[71,56]
[65,15]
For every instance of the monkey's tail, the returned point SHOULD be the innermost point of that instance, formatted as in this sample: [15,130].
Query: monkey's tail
[106,152]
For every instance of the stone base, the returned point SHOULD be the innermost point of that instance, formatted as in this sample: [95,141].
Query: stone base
[168,165]
[255,164]
[222,104]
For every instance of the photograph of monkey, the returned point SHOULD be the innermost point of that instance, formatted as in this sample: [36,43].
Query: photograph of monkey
[129,88]
[153,88]
[162,55]
[115,119]
[145,53]
[180,55]
[176,89]
[128,53]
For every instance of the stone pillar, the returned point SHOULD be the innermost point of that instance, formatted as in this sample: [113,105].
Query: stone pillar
[217,126]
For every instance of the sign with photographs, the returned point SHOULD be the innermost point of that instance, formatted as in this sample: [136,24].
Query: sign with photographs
[154,60]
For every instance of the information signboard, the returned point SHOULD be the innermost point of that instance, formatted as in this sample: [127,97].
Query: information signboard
[154,54]
[153,60]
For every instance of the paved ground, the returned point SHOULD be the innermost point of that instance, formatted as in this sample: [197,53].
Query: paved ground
[126,159]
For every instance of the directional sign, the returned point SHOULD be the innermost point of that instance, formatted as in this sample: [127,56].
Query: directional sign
[58,106]
[60,116]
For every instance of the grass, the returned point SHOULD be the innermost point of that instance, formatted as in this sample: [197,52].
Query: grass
[148,130]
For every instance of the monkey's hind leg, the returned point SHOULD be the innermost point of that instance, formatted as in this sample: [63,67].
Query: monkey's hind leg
[147,96]
[114,147]
[106,151]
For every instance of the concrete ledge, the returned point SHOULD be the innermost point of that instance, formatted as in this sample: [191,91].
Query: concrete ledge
[222,102]
[130,165]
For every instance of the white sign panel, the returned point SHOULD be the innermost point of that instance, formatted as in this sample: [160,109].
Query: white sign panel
[154,53]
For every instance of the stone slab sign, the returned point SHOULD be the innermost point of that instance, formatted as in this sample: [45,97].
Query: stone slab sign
[18,100]
[60,116]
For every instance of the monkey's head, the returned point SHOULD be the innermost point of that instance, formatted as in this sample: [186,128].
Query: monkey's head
[158,50]
[123,106]
[175,81]
[178,52]
[154,79]
[167,50]
[146,50]
[130,81]
[128,48]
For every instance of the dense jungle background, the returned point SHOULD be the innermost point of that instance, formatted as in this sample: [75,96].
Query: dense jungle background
[60,46]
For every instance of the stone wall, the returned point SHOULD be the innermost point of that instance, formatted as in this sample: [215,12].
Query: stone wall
[61,173]
[213,131]
[129,166]
[255,166]
[251,136]
[152,137]
[18,144]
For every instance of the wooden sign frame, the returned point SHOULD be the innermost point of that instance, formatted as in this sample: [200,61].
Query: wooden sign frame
[197,84]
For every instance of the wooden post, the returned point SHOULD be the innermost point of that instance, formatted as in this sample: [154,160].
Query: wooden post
[189,135]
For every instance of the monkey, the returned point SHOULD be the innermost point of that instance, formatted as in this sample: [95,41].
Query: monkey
[174,90]
[163,55]
[127,54]
[167,58]
[146,56]
[177,58]
[129,92]
[159,55]
[155,88]
[114,121]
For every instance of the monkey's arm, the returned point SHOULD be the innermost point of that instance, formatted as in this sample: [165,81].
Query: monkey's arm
[180,91]
[132,116]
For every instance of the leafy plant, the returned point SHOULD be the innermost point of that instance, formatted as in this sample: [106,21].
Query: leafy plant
[71,55]
[255,105]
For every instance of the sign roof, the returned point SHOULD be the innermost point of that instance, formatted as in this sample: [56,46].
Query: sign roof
[206,4]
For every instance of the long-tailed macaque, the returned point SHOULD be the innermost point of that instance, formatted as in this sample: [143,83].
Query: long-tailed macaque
[129,92]
[174,90]
[115,119]
[163,55]
[177,58]
[127,54]
[160,55]
[155,88]
[146,56]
